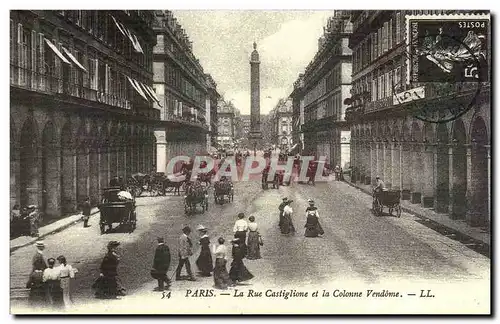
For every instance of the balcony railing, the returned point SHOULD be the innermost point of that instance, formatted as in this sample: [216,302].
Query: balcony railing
[185,120]
[49,84]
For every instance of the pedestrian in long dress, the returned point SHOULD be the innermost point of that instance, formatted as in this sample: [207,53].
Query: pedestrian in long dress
[238,272]
[51,278]
[37,295]
[161,263]
[66,273]
[107,285]
[287,226]
[313,226]
[86,208]
[253,240]
[185,251]
[35,219]
[281,208]
[221,276]
[240,231]
[204,261]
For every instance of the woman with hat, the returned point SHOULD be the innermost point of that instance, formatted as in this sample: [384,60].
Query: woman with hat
[107,285]
[37,295]
[204,261]
[287,224]
[254,240]
[238,272]
[221,276]
[240,231]
[313,227]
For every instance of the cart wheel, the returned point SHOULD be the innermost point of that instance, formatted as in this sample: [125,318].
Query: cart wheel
[380,208]
[103,228]
[398,211]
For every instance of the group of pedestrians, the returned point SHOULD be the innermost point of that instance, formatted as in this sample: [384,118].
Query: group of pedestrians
[25,220]
[241,248]
[312,227]
[50,285]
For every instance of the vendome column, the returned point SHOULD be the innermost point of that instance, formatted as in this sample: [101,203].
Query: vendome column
[255,135]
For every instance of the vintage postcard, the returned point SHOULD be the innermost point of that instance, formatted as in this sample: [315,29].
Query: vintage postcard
[250,162]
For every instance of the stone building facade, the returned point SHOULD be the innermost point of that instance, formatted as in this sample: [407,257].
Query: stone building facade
[225,127]
[214,97]
[444,166]
[181,85]
[81,104]
[319,94]
[281,116]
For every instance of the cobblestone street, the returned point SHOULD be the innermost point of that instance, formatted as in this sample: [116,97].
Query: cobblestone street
[357,250]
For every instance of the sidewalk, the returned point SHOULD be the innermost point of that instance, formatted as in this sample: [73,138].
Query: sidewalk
[55,227]
[459,226]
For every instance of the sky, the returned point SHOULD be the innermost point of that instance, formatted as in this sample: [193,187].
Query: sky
[222,40]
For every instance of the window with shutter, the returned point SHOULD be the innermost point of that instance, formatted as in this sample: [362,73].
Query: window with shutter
[12,51]
[398,27]
[60,69]
[386,36]
[33,67]
[389,32]
[42,62]
[380,41]
[20,57]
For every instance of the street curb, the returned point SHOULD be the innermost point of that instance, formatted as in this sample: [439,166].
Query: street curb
[63,227]
[412,212]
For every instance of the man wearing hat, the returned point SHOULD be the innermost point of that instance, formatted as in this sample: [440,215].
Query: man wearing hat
[86,208]
[185,251]
[379,186]
[161,263]
[281,209]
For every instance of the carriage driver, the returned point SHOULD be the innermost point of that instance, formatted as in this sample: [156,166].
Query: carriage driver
[379,186]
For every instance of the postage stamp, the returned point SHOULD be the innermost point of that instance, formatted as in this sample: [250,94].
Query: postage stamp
[447,64]
[450,48]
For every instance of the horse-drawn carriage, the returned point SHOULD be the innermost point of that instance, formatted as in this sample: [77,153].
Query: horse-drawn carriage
[387,198]
[116,209]
[196,194]
[223,189]
[138,183]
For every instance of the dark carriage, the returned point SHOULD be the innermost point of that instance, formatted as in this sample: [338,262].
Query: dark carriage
[195,195]
[387,198]
[223,189]
[138,183]
[114,210]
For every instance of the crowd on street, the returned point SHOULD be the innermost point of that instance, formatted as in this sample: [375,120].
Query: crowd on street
[49,283]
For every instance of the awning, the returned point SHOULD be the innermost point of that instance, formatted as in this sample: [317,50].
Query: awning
[133,39]
[138,89]
[55,50]
[73,59]
[147,91]
[153,93]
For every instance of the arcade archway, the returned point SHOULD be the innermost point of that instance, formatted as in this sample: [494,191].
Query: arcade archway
[29,164]
[479,174]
